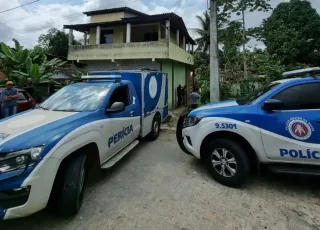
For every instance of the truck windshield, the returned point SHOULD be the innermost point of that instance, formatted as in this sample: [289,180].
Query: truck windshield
[76,98]
[256,94]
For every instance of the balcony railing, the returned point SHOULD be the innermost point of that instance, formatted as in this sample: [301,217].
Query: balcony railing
[162,49]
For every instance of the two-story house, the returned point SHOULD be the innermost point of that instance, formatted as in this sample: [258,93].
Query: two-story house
[123,38]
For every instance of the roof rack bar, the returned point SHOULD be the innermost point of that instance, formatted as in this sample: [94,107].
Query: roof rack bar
[116,78]
[307,72]
[101,77]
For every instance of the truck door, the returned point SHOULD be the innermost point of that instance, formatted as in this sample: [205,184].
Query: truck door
[293,133]
[154,97]
[123,127]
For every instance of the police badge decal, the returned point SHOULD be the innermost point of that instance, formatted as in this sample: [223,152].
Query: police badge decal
[299,128]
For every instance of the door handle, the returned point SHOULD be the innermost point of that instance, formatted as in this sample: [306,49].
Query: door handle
[131,113]
[318,121]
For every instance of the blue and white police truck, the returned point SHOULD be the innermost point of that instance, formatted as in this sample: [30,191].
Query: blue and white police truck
[45,153]
[277,126]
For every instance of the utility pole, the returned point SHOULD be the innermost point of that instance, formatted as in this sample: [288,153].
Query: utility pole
[244,46]
[214,54]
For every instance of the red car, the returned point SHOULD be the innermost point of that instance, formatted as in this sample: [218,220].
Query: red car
[25,101]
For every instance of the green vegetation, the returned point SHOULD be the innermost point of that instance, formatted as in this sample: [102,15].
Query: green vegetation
[56,42]
[290,36]
[19,64]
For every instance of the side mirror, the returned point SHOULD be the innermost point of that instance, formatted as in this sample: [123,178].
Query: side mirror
[272,104]
[116,107]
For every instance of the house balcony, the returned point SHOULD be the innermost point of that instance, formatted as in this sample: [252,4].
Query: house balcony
[162,49]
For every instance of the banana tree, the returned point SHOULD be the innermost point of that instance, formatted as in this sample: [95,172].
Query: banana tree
[19,64]
[38,73]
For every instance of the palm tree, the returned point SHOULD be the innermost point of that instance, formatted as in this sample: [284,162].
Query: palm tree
[204,32]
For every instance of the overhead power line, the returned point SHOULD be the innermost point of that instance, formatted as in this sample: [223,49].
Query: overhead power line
[71,16]
[178,2]
[19,6]
[35,13]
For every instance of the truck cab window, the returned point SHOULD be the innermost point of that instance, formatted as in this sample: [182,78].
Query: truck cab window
[120,94]
[300,97]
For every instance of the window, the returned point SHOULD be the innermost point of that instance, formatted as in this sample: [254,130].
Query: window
[300,97]
[106,36]
[23,96]
[120,94]
[80,97]
[256,94]
[151,36]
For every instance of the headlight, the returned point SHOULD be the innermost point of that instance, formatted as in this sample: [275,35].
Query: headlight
[191,121]
[14,164]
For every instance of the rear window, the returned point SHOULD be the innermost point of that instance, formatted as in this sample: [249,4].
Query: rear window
[23,96]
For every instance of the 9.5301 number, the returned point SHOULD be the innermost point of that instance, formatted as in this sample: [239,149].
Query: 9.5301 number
[225,126]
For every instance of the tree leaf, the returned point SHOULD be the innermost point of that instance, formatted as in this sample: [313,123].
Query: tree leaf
[20,73]
[28,64]
[35,71]
[7,51]
[17,44]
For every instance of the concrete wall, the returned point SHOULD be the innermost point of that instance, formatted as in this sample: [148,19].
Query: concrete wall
[179,78]
[92,36]
[163,32]
[180,55]
[116,51]
[173,37]
[167,68]
[107,17]
[176,75]
[102,65]
[118,35]
[137,32]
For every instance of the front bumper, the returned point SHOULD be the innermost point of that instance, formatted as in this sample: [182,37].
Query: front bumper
[14,197]
[39,181]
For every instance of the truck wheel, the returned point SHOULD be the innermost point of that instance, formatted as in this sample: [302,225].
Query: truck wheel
[155,129]
[227,162]
[72,186]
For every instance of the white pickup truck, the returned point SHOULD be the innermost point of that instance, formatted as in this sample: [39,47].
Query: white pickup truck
[45,153]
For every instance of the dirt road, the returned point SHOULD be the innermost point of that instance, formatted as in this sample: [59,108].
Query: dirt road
[159,187]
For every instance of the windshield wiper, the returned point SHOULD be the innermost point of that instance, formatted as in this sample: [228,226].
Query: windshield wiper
[40,107]
[241,102]
[65,110]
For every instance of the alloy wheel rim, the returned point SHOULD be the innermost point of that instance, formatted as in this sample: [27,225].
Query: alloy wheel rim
[224,162]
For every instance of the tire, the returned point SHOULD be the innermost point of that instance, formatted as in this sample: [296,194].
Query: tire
[234,161]
[155,128]
[179,133]
[72,186]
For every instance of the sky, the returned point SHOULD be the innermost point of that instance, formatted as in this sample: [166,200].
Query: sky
[27,23]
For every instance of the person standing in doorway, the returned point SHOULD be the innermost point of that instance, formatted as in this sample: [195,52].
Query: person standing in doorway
[9,98]
[195,98]
[183,95]
[179,92]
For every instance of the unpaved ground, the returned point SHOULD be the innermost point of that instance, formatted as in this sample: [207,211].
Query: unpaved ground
[159,187]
